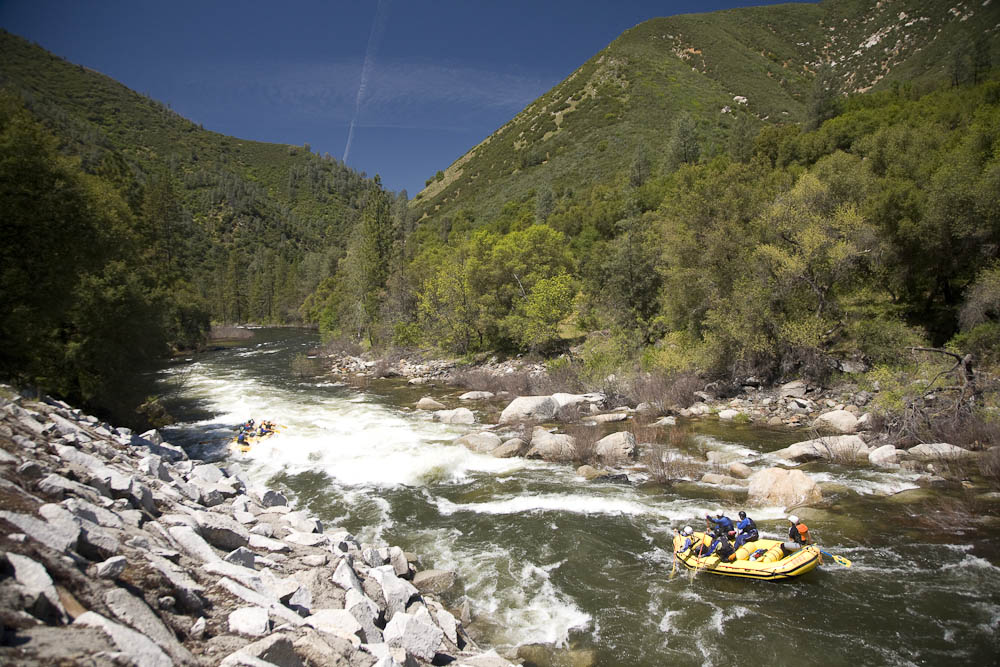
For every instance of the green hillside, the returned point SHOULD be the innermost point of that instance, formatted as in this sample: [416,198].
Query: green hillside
[626,101]
[258,211]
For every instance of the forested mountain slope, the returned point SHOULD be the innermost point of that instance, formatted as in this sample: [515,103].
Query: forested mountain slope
[706,79]
[127,229]
[261,224]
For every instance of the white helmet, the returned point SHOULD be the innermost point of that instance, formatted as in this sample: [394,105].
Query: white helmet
[688,530]
[793,518]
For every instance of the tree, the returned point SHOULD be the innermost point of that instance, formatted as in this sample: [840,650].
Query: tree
[683,147]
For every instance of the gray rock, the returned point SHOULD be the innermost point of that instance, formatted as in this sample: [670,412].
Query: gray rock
[396,592]
[338,622]
[250,621]
[345,576]
[781,487]
[617,448]
[140,649]
[529,408]
[834,447]
[244,575]
[398,561]
[221,530]
[413,634]
[483,442]
[93,513]
[136,614]
[266,543]
[476,396]
[188,591]
[272,498]
[433,581]
[43,599]
[111,568]
[740,470]
[551,446]
[153,465]
[456,416]
[256,599]
[206,472]
[59,538]
[193,544]
[510,448]
[886,456]
[428,403]
[366,612]
[242,556]
[840,421]
[197,631]
[939,451]
[794,389]
[276,649]
[58,486]
[307,539]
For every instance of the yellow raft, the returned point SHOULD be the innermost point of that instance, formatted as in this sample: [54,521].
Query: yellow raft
[773,564]
[249,441]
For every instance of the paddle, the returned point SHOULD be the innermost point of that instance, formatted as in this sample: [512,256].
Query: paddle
[840,560]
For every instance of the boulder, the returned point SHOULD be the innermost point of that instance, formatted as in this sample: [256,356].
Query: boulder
[222,530]
[512,447]
[608,418]
[250,622]
[476,396]
[939,451]
[529,408]
[483,442]
[420,638]
[112,568]
[338,622]
[617,448]
[366,612]
[456,416]
[728,414]
[721,457]
[590,473]
[134,612]
[428,403]
[721,480]
[43,600]
[740,470]
[396,592]
[193,544]
[841,421]
[139,649]
[665,421]
[551,446]
[781,487]
[834,448]
[793,389]
[434,581]
[885,456]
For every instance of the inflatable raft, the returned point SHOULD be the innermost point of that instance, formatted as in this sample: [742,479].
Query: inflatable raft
[770,561]
[249,441]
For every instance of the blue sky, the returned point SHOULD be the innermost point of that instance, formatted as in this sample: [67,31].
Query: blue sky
[438,76]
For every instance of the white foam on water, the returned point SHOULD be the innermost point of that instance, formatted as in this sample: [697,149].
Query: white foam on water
[870,482]
[666,624]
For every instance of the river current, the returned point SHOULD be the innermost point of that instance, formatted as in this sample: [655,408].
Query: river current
[583,568]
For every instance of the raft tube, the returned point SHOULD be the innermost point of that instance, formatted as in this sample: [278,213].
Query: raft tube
[771,566]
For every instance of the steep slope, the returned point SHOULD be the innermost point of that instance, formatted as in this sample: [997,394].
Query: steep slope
[760,63]
[259,209]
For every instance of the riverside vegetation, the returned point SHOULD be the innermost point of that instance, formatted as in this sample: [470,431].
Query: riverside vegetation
[839,217]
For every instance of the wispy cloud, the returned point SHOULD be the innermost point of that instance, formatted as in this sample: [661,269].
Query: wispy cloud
[396,94]
[374,39]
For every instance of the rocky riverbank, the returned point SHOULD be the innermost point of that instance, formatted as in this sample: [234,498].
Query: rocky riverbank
[118,549]
[837,423]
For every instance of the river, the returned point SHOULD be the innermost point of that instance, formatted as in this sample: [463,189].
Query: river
[544,557]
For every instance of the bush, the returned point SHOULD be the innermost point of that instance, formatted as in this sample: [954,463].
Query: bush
[989,467]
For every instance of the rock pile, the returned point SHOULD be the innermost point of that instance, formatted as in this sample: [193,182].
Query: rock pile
[117,549]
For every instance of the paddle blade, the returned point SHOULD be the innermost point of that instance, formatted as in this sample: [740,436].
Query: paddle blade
[842,561]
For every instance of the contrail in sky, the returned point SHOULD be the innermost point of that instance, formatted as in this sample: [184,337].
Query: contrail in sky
[378,27]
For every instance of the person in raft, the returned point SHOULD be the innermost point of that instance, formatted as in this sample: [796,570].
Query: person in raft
[722,522]
[746,530]
[798,534]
